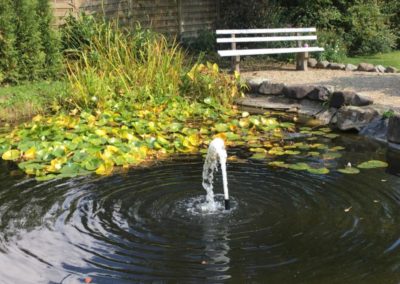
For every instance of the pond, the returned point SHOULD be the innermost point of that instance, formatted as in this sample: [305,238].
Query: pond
[285,226]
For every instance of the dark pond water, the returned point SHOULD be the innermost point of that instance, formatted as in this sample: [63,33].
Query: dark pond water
[285,226]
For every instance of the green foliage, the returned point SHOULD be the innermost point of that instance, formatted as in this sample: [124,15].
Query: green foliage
[29,46]
[369,32]
[77,32]
[8,52]
[137,66]
[251,14]
[335,49]
[204,42]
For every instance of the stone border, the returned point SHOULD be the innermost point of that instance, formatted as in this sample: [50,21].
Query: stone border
[366,67]
[343,110]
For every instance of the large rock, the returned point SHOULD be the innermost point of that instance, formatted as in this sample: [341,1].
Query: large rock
[297,91]
[255,83]
[380,69]
[312,62]
[327,116]
[350,117]
[366,67]
[376,129]
[342,98]
[320,93]
[393,134]
[391,69]
[323,64]
[350,67]
[337,66]
[268,88]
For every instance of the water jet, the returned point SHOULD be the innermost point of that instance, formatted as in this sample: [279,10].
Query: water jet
[216,154]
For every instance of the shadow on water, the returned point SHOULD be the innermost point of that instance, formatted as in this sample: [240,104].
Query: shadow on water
[285,226]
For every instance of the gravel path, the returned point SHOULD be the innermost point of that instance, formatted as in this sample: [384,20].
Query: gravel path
[384,89]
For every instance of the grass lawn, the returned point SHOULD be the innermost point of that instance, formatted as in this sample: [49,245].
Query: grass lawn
[26,100]
[386,59]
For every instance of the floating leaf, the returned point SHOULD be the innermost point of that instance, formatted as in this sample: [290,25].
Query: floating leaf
[299,166]
[372,164]
[331,155]
[331,135]
[336,148]
[278,164]
[291,152]
[313,154]
[105,168]
[258,156]
[11,155]
[318,171]
[349,170]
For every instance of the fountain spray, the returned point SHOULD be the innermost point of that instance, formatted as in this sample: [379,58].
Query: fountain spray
[215,150]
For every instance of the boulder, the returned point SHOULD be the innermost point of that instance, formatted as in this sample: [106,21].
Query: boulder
[393,133]
[337,66]
[297,91]
[255,83]
[323,64]
[351,117]
[376,129]
[327,116]
[350,67]
[380,69]
[268,88]
[320,93]
[312,62]
[391,69]
[342,98]
[366,67]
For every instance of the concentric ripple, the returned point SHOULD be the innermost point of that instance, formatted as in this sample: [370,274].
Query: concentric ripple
[147,225]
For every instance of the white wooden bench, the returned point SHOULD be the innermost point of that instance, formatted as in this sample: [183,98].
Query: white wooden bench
[268,35]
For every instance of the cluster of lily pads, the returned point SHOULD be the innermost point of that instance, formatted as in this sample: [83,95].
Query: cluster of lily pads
[80,143]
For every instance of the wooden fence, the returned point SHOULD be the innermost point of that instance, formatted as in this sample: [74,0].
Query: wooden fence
[184,18]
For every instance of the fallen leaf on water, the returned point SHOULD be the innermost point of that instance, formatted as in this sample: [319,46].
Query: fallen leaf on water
[348,209]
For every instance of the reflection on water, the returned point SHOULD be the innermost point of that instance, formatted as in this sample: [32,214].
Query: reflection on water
[285,226]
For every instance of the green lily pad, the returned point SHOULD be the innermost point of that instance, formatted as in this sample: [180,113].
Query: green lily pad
[278,164]
[372,164]
[349,170]
[331,135]
[258,156]
[336,148]
[299,167]
[331,155]
[318,171]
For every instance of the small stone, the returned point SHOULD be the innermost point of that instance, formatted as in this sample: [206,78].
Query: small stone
[350,67]
[255,83]
[380,69]
[297,91]
[312,62]
[268,88]
[337,66]
[391,69]
[393,134]
[323,64]
[366,67]
[351,117]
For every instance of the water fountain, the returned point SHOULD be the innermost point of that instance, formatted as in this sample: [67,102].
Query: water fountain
[216,154]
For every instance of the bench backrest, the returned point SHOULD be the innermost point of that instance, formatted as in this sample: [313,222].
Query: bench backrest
[266,35]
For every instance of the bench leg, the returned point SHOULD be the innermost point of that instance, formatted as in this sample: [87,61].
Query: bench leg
[302,60]
[235,64]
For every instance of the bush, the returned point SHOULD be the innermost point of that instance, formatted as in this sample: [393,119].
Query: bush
[29,47]
[332,42]
[369,32]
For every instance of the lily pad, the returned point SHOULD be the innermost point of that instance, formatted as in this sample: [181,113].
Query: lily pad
[349,170]
[258,156]
[299,167]
[372,164]
[318,171]
[11,155]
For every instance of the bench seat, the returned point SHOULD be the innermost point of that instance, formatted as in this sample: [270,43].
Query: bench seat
[263,51]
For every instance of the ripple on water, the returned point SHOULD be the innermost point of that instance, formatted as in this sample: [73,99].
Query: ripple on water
[284,226]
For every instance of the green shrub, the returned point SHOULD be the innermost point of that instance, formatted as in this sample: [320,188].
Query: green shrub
[335,49]
[369,30]
[8,51]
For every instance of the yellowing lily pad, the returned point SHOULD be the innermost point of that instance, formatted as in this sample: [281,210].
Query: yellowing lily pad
[11,155]
[318,171]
